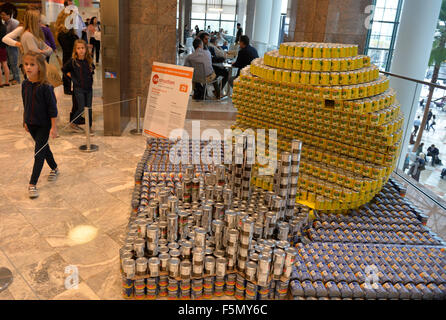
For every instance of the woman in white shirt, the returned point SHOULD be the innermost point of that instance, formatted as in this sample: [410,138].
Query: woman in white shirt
[31,36]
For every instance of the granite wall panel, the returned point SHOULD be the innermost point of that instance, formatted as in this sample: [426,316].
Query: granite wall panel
[152,32]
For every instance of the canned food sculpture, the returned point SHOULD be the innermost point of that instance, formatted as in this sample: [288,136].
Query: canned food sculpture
[337,104]
[199,231]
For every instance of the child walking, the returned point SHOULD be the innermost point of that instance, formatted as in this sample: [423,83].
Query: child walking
[39,117]
[80,69]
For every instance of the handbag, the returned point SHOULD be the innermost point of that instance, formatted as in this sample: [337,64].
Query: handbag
[97,35]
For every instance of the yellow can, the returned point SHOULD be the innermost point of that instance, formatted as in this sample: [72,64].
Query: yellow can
[366,76]
[344,78]
[314,78]
[335,65]
[306,64]
[297,64]
[281,62]
[326,65]
[366,61]
[283,49]
[298,51]
[326,52]
[295,77]
[308,51]
[270,74]
[317,52]
[352,78]
[278,75]
[317,65]
[290,51]
[346,93]
[355,92]
[286,76]
[304,79]
[334,78]
[288,63]
[342,52]
[335,52]
[344,64]
[370,90]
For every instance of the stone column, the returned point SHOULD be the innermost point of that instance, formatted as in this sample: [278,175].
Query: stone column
[411,56]
[262,23]
[340,21]
[276,13]
[152,30]
[249,25]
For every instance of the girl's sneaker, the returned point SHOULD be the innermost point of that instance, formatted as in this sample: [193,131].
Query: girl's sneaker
[76,128]
[33,193]
[53,175]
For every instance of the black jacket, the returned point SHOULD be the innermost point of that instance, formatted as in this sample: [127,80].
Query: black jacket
[245,57]
[81,75]
[66,41]
[39,102]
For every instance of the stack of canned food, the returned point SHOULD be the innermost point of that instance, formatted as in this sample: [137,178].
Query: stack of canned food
[199,231]
[363,271]
[340,108]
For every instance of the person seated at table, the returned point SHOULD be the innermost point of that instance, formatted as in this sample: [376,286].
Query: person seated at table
[225,46]
[219,53]
[246,54]
[202,56]
[220,71]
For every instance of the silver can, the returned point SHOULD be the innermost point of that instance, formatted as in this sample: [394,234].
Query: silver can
[209,265]
[172,227]
[209,192]
[174,267]
[186,250]
[139,247]
[221,267]
[129,268]
[185,269]
[250,271]
[164,258]
[154,267]
[163,211]
[173,204]
[219,213]
[200,237]
[141,266]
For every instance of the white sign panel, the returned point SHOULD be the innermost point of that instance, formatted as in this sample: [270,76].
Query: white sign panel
[168,97]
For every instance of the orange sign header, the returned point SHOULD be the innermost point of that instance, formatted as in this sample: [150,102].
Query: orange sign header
[173,71]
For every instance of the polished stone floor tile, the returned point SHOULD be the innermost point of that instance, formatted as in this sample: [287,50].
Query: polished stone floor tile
[47,276]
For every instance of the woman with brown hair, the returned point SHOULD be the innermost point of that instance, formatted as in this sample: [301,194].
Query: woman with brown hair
[31,35]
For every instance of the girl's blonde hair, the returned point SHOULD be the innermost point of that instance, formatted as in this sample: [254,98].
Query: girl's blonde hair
[41,64]
[31,22]
[88,56]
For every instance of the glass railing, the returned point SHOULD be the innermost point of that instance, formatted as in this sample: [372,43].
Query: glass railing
[425,186]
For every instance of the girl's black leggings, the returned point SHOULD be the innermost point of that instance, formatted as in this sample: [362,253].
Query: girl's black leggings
[40,136]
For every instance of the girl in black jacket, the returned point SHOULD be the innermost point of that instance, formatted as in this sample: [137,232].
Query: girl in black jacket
[39,117]
[80,69]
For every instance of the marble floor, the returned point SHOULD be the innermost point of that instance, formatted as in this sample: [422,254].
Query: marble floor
[80,219]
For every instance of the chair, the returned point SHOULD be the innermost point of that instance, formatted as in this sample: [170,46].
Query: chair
[200,77]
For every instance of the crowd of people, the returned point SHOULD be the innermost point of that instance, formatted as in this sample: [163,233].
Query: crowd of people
[32,42]
[210,50]
[433,152]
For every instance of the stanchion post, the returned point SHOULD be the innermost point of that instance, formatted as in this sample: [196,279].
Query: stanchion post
[138,130]
[88,147]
